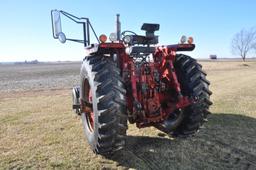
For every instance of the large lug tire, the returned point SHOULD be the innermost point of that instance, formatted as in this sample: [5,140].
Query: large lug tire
[105,124]
[195,85]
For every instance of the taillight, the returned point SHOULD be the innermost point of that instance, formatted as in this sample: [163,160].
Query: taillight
[103,38]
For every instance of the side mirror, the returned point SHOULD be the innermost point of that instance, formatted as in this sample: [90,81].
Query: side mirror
[56,26]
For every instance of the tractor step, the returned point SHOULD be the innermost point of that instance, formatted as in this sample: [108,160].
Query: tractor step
[76,106]
[76,100]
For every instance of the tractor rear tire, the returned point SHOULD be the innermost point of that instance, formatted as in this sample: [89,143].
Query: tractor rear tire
[102,88]
[194,85]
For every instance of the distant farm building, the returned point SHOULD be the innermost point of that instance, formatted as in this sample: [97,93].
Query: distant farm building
[31,62]
[213,57]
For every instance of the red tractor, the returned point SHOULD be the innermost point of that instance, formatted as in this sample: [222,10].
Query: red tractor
[132,78]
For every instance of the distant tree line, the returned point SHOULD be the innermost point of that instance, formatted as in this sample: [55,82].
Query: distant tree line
[28,62]
[244,42]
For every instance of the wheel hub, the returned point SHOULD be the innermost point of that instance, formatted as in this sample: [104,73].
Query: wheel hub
[88,111]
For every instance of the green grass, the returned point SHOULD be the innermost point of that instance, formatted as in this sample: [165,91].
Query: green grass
[39,131]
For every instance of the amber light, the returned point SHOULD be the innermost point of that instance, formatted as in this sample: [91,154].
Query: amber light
[103,38]
[190,40]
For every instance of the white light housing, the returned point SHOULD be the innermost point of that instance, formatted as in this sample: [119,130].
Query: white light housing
[127,39]
[183,39]
[113,37]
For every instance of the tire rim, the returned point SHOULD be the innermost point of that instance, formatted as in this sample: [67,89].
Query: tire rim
[89,115]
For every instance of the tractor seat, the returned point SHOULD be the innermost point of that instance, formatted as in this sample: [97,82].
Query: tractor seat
[150,27]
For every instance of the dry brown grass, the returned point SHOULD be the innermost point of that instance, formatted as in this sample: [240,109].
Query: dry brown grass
[39,131]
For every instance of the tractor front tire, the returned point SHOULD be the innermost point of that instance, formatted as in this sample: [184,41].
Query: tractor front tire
[102,91]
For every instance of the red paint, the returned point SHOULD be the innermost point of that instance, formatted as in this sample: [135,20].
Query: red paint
[112,45]
[90,113]
[148,101]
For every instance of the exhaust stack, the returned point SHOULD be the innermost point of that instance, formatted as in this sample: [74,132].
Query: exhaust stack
[118,27]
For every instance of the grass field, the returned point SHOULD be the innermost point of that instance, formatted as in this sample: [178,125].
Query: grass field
[38,129]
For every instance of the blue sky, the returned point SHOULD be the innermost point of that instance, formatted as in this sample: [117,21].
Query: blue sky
[25,26]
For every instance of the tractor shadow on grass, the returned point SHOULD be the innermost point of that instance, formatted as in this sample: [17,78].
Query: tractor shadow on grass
[227,141]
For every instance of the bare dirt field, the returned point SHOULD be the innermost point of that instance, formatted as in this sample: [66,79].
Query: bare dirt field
[38,129]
